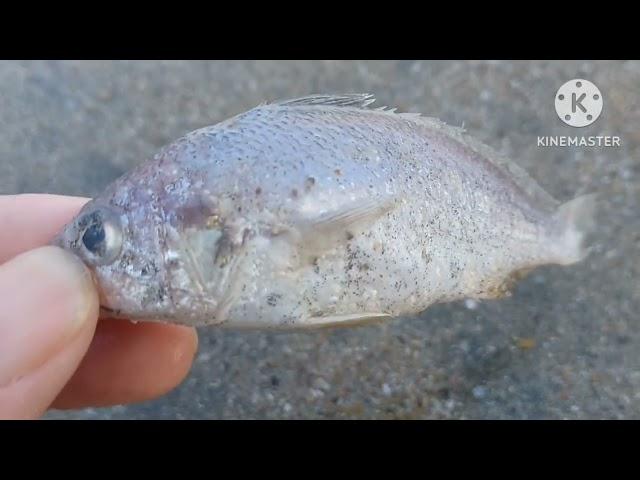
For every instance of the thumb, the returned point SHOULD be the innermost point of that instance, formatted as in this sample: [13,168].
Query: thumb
[48,314]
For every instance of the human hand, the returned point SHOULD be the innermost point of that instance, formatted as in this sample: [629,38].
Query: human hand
[54,351]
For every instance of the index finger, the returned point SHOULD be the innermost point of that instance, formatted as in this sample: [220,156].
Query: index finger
[32,220]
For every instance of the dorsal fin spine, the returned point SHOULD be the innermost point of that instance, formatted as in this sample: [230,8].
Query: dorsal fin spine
[357,100]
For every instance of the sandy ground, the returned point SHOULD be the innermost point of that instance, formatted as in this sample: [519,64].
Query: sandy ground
[565,345]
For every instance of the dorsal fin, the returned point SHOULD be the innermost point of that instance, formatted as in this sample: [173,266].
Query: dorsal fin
[513,170]
[357,100]
[363,100]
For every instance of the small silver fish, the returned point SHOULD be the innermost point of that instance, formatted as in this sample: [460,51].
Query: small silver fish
[319,211]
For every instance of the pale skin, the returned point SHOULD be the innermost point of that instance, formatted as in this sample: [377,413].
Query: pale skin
[55,350]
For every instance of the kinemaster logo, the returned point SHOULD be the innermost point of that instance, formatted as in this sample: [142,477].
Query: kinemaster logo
[579,103]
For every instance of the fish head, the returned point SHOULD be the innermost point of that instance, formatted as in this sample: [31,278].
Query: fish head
[121,244]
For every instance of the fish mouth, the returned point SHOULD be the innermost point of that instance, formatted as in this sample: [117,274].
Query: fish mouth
[106,312]
[58,240]
[66,238]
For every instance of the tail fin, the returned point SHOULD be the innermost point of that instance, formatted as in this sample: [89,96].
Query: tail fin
[574,221]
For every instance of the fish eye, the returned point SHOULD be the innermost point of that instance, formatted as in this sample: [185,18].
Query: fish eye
[93,238]
[101,237]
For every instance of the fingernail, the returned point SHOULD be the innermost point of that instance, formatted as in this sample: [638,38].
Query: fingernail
[48,296]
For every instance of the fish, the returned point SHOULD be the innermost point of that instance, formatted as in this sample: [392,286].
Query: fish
[319,211]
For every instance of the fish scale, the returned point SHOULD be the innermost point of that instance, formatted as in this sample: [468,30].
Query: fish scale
[322,211]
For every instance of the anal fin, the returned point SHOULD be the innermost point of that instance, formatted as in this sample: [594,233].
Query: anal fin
[504,286]
[347,320]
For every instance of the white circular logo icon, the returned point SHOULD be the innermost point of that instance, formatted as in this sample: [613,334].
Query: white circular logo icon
[578,103]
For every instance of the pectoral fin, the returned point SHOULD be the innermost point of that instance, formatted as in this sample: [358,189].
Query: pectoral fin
[354,214]
[330,228]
